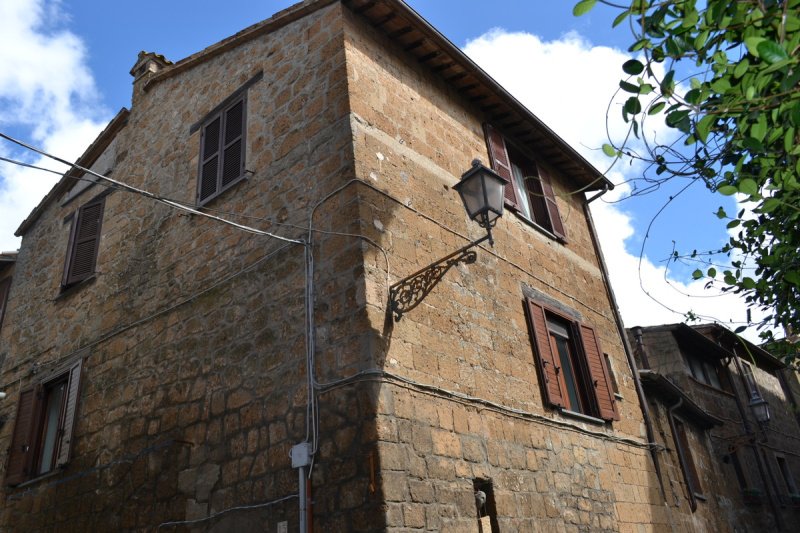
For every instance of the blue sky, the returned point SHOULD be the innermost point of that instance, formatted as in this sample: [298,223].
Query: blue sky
[64,73]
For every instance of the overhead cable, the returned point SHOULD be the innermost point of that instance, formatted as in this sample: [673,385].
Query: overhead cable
[150,195]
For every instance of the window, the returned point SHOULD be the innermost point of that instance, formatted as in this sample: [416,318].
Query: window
[737,468]
[222,149]
[708,372]
[529,190]
[685,455]
[788,479]
[42,437]
[614,384]
[486,507]
[84,241]
[574,373]
[5,288]
[750,382]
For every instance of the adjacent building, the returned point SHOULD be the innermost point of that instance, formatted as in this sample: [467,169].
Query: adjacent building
[725,412]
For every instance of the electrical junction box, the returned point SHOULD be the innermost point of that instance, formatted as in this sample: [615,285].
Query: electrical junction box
[301,454]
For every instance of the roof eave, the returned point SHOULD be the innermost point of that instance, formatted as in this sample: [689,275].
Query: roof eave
[86,160]
[412,32]
[665,388]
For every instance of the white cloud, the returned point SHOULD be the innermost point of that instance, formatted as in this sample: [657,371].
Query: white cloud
[568,84]
[47,96]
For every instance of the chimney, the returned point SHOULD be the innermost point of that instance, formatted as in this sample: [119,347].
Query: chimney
[148,63]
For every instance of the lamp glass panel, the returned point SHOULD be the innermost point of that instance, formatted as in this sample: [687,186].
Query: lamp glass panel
[471,192]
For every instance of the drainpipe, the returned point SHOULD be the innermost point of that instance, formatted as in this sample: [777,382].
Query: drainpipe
[648,423]
[682,454]
[756,449]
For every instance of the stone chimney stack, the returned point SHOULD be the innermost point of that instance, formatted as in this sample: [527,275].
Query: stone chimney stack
[148,63]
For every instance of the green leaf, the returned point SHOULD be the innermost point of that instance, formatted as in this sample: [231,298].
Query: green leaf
[748,283]
[583,7]
[750,92]
[703,126]
[741,68]
[656,108]
[759,130]
[752,44]
[748,186]
[727,190]
[769,205]
[697,274]
[622,16]
[633,67]
[792,276]
[633,106]
[771,52]
[629,87]
[667,84]
[712,272]
[609,150]
[788,139]
[733,223]
[721,212]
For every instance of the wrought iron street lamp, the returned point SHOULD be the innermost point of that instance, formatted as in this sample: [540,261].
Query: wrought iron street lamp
[760,409]
[483,192]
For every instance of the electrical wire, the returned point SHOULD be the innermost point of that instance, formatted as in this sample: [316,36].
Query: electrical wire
[148,194]
[224,511]
[383,376]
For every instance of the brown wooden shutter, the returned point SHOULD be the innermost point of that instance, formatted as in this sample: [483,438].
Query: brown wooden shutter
[233,149]
[498,152]
[23,445]
[599,374]
[85,241]
[70,408]
[556,224]
[549,368]
[209,160]
[5,288]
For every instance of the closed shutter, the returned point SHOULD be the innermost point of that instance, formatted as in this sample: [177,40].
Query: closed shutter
[498,152]
[556,225]
[5,288]
[209,160]
[233,150]
[85,241]
[549,369]
[23,446]
[599,374]
[70,408]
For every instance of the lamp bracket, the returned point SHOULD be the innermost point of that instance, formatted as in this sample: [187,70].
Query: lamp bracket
[409,292]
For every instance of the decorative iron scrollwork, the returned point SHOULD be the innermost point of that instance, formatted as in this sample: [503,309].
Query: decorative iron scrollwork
[409,292]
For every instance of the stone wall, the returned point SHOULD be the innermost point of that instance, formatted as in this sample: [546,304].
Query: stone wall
[192,332]
[460,398]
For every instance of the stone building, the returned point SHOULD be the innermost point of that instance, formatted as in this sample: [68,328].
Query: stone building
[234,365]
[729,466]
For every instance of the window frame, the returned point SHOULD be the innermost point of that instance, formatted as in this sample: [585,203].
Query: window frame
[786,474]
[691,475]
[25,454]
[84,241]
[540,208]
[591,381]
[223,181]
[708,372]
